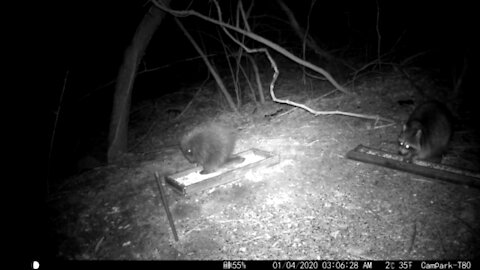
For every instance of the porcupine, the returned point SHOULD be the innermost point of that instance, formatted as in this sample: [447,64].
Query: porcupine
[211,146]
[427,132]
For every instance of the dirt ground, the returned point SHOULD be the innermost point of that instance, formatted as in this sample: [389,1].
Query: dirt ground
[314,204]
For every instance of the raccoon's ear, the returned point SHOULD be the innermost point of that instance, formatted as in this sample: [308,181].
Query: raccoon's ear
[418,134]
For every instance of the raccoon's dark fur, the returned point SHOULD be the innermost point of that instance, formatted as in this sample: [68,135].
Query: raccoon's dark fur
[427,132]
[210,145]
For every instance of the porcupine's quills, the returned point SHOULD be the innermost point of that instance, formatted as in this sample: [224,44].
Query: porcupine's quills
[211,146]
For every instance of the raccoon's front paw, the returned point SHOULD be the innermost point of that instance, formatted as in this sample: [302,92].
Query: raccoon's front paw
[408,158]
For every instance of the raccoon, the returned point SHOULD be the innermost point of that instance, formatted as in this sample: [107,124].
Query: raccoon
[211,146]
[427,132]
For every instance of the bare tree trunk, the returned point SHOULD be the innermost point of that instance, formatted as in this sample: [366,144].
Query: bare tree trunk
[117,137]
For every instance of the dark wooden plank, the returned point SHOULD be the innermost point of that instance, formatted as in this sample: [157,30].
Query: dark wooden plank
[423,168]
